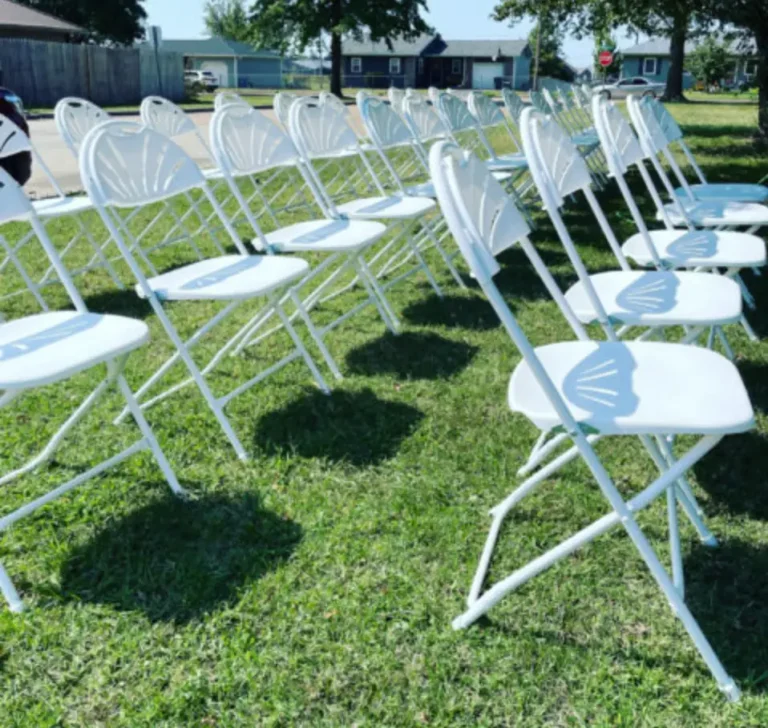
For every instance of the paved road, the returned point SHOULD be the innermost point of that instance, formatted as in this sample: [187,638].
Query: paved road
[64,167]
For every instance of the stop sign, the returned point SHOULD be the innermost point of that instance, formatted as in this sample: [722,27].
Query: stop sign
[605,58]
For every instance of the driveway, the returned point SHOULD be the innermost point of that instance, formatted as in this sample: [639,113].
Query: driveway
[63,164]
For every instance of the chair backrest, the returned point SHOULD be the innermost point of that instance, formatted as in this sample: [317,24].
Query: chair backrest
[554,161]
[484,109]
[454,112]
[648,125]
[223,98]
[550,100]
[128,165]
[13,140]
[75,118]
[433,93]
[246,142]
[16,207]
[385,126]
[320,129]
[513,103]
[461,186]
[164,116]
[282,104]
[422,119]
[396,98]
[329,99]
[539,102]
[621,146]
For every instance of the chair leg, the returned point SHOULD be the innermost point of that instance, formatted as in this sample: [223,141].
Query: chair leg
[148,434]
[315,334]
[8,591]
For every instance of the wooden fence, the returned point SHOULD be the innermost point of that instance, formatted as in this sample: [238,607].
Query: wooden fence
[41,73]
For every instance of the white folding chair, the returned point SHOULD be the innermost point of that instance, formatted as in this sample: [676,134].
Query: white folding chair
[514,105]
[433,93]
[703,190]
[321,132]
[246,143]
[396,98]
[74,118]
[282,105]
[13,140]
[652,300]
[390,137]
[682,210]
[223,98]
[694,249]
[44,349]
[594,389]
[128,166]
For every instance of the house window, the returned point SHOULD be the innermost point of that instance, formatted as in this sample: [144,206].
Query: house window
[356,65]
[750,68]
[457,66]
[394,66]
[650,66]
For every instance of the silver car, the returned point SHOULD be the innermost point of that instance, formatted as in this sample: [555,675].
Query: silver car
[626,86]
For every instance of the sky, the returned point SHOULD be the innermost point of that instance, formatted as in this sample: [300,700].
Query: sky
[453,19]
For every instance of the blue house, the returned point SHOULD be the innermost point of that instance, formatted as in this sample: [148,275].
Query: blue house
[652,60]
[429,60]
[236,65]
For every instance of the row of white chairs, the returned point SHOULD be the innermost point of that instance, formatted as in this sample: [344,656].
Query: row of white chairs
[578,391]
[581,391]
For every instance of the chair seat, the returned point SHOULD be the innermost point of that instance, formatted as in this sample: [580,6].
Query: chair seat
[212,174]
[635,388]
[507,161]
[326,235]
[227,278]
[657,298]
[60,206]
[387,208]
[586,139]
[427,189]
[718,212]
[733,192]
[695,248]
[48,347]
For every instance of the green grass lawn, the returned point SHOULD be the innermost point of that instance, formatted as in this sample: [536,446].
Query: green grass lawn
[315,584]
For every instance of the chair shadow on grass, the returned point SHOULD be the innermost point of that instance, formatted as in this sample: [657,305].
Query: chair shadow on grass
[357,428]
[460,312]
[177,560]
[727,590]
[411,355]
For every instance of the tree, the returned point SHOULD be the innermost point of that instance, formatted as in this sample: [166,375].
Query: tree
[751,17]
[227,19]
[299,23]
[710,62]
[546,51]
[673,19]
[115,21]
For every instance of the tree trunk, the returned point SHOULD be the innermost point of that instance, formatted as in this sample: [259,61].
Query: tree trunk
[762,84]
[336,57]
[674,90]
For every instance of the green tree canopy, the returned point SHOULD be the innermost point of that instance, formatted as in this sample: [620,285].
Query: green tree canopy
[298,23]
[227,19]
[710,62]
[116,21]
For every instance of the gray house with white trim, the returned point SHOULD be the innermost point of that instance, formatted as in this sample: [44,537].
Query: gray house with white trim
[652,59]
[429,60]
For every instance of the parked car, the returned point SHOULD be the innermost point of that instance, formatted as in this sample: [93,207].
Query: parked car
[207,79]
[626,86]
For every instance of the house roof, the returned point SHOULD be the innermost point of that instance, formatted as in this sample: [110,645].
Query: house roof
[400,47]
[433,45]
[13,15]
[480,48]
[215,47]
[660,47]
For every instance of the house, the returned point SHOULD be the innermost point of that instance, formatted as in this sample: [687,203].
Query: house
[429,60]
[652,60]
[20,21]
[235,64]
